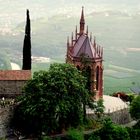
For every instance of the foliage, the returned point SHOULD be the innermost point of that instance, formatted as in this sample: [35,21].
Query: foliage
[134,133]
[92,124]
[137,125]
[74,134]
[52,101]
[135,108]
[46,138]
[110,131]
[99,109]
[94,137]
[2,138]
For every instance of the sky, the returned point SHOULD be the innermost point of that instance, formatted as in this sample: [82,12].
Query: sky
[12,12]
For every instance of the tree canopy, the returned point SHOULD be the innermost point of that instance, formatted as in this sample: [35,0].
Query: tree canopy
[110,131]
[135,108]
[53,100]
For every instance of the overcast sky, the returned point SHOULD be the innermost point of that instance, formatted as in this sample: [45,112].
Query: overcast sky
[13,11]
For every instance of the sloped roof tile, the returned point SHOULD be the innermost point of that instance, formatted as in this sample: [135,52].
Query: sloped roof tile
[15,75]
[84,46]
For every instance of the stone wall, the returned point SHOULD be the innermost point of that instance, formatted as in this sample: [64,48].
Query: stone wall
[121,116]
[5,116]
[11,88]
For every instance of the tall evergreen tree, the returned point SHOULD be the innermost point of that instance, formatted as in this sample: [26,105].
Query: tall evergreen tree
[27,45]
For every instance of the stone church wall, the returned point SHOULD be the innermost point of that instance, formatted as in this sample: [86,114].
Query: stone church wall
[11,88]
[121,116]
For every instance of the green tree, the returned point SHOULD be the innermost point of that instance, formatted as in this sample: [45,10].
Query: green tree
[110,131]
[134,133]
[99,109]
[135,108]
[52,100]
[74,134]
[27,45]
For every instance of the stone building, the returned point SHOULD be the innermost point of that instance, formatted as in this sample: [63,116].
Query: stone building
[87,54]
[12,82]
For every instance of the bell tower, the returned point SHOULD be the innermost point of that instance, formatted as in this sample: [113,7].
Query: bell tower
[87,56]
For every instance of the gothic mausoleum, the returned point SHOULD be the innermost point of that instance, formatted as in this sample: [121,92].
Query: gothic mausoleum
[85,53]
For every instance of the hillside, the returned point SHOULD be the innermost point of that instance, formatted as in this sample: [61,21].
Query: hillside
[115,25]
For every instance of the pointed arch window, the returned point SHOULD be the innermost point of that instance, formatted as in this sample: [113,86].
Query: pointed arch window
[88,74]
[97,78]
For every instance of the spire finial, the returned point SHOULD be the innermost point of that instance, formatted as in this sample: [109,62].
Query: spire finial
[27,28]
[102,52]
[87,29]
[76,33]
[91,37]
[99,52]
[82,21]
[68,41]
[72,39]
[94,42]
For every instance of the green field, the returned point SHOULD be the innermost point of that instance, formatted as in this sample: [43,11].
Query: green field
[120,79]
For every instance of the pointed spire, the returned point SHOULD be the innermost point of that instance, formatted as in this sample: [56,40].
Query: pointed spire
[95,52]
[94,45]
[68,44]
[87,30]
[99,52]
[102,52]
[91,37]
[27,45]
[68,41]
[72,39]
[27,29]
[82,22]
[76,33]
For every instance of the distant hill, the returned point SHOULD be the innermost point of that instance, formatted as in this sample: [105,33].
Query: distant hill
[115,23]
[4,61]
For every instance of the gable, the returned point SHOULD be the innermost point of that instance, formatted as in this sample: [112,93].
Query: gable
[83,46]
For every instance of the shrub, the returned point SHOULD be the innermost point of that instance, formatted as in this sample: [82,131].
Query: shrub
[94,137]
[134,133]
[135,108]
[74,134]
[110,131]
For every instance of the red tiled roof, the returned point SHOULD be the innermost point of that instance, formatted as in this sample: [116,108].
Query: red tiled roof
[15,74]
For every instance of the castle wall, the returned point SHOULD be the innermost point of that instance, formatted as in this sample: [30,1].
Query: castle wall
[121,116]
[5,116]
[11,88]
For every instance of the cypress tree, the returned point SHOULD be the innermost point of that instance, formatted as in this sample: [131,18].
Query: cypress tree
[27,45]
